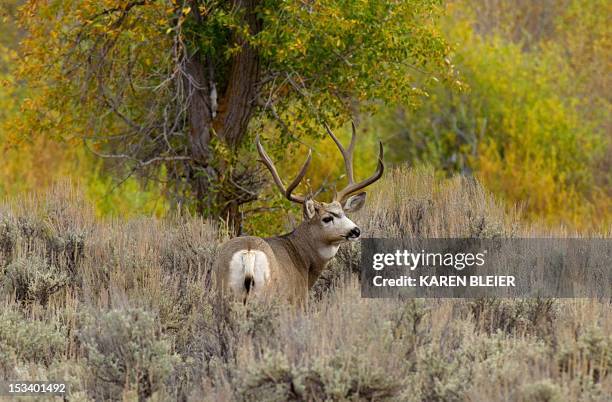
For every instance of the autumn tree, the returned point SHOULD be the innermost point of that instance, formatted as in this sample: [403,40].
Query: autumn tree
[171,90]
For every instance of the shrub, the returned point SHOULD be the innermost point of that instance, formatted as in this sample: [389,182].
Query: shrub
[590,357]
[125,350]
[441,372]
[66,250]
[271,379]
[183,343]
[407,325]
[8,237]
[350,377]
[26,340]
[419,203]
[189,247]
[523,316]
[499,365]
[28,234]
[18,230]
[215,328]
[32,279]
[541,391]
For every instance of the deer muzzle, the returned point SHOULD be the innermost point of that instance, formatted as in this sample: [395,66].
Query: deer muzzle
[354,233]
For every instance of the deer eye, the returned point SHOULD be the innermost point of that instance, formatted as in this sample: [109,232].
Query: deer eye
[328,219]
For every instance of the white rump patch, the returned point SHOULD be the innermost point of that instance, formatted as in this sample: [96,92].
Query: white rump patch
[248,263]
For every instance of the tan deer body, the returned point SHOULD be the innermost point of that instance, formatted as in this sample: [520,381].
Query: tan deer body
[287,266]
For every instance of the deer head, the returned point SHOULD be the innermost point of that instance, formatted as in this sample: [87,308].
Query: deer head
[328,222]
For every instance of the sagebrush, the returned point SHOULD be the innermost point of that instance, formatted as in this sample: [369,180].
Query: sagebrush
[124,310]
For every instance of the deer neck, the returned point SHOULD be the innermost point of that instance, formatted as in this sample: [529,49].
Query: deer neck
[314,253]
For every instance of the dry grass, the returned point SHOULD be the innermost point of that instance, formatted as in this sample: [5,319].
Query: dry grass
[123,310]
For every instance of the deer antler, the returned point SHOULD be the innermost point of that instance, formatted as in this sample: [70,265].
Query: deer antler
[347,155]
[279,183]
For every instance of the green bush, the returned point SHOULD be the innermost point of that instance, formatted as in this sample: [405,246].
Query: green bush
[521,317]
[541,391]
[8,237]
[33,279]
[124,350]
[59,243]
[25,340]
[341,377]
[590,357]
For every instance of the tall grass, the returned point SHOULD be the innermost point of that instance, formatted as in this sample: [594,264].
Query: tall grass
[124,310]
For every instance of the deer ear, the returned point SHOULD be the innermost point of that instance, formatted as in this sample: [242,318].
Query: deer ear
[310,208]
[354,203]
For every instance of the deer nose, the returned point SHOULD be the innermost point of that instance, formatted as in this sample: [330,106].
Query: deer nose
[355,232]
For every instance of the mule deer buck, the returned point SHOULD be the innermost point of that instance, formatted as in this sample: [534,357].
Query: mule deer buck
[288,265]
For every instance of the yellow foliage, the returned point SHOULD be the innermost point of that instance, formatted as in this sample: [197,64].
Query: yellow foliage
[543,145]
[537,113]
[534,125]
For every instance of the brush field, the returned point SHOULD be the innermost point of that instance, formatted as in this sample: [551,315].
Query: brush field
[123,310]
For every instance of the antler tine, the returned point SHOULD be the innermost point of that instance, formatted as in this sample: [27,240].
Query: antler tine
[298,179]
[354,187]
[279,183]
[347,155]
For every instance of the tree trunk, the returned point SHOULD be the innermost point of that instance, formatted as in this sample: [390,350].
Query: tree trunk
[229,124]
[237,104]
[200,120]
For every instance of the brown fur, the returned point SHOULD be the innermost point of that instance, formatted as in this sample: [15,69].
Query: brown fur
[294,259]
